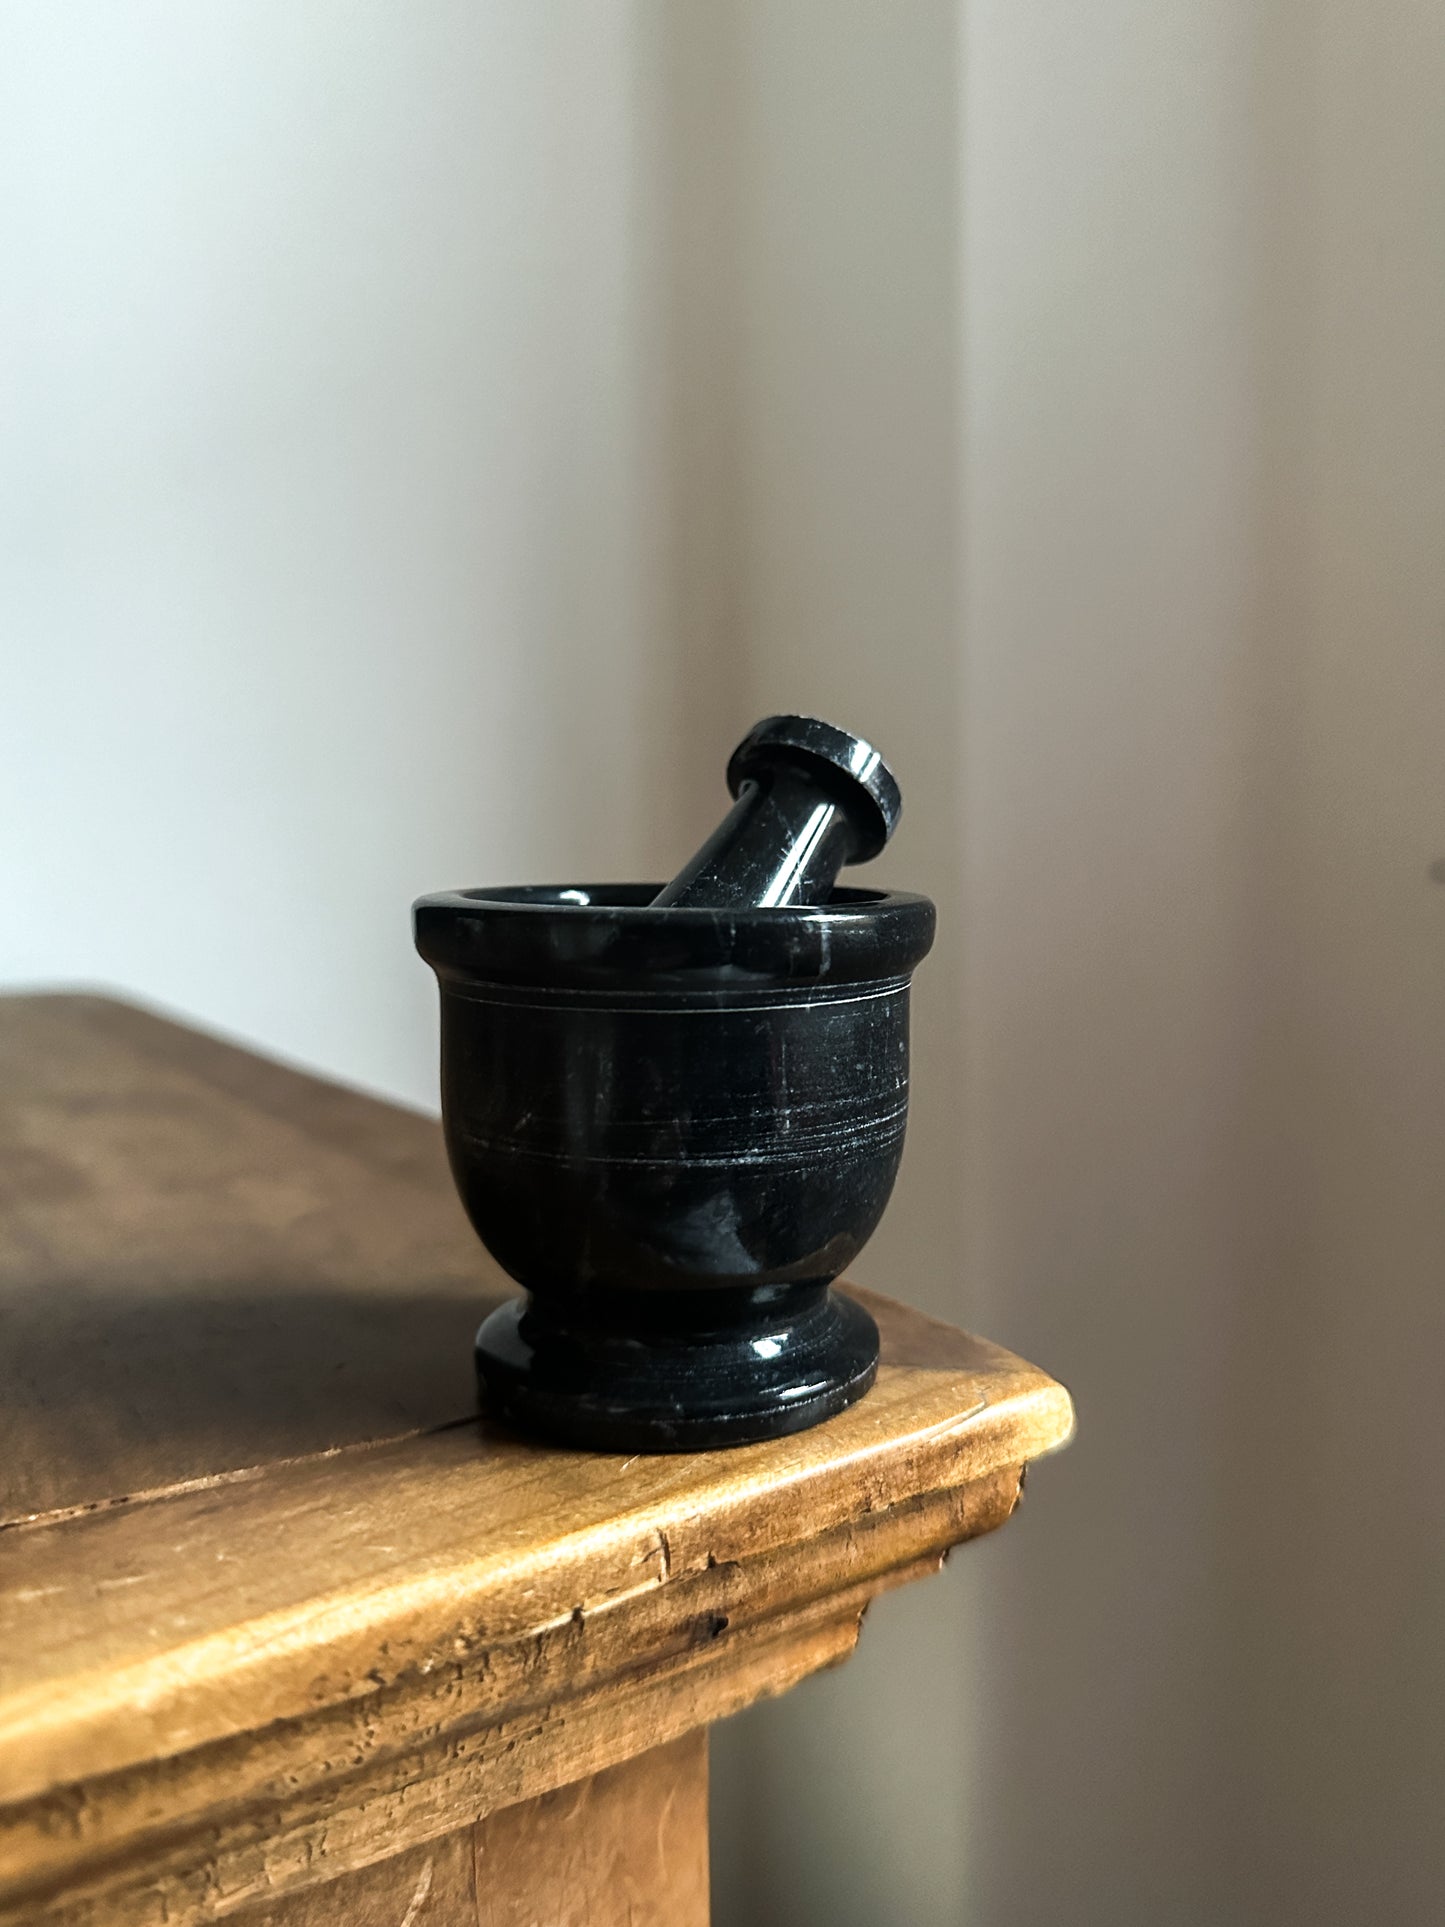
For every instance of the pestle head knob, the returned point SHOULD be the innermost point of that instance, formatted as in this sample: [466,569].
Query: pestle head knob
[810,798]
[846,767]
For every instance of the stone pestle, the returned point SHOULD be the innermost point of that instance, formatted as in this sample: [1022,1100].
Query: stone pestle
[675,1115]
[810,799]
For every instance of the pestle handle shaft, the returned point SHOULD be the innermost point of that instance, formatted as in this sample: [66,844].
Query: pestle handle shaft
[810,798]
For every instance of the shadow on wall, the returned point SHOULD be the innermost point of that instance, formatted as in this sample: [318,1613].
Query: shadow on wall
[809,493]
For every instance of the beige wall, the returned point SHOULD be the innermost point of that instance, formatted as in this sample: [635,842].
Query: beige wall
[1110,165]
[433,432]
[1206,647]
[1338,1582]
[326,554]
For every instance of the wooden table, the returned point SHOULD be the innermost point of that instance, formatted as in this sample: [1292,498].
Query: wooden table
[286,1632]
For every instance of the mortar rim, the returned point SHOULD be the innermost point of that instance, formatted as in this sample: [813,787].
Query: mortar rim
[534,934]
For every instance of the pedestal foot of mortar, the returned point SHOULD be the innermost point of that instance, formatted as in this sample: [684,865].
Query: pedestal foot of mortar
[674,1371]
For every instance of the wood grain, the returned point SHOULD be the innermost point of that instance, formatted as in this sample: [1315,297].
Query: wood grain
[429,1886]
[263,1659]
[626,1847]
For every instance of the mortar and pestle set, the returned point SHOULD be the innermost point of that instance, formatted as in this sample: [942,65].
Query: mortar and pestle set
[675,1115]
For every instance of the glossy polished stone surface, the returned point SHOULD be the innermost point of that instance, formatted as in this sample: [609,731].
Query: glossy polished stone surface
[627,1373]
[675,1126]
[810,798]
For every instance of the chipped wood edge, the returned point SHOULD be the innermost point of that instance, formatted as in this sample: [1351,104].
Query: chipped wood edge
[189,1840]
[356,1643]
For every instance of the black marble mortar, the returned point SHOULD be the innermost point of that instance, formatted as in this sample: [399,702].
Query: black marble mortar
[675,1127]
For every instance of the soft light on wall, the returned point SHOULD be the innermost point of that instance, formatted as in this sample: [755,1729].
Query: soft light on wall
[432,433]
